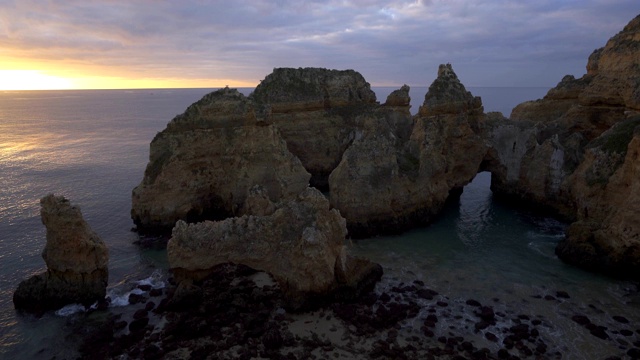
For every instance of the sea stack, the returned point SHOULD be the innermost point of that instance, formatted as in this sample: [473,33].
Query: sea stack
[300,242]
[76,260]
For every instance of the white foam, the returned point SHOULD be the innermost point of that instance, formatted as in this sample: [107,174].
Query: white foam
[155,280]
[70,310]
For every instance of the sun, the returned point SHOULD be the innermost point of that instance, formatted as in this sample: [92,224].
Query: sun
[32,80]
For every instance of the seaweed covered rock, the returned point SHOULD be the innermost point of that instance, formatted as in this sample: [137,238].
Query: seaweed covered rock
[206,160]
[76,261]
[301,244]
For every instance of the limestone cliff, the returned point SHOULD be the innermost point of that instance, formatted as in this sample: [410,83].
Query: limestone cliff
[387,182]
[572,152]
[76,260]
[206,160]
[606,188]
[301,244]
[316,112]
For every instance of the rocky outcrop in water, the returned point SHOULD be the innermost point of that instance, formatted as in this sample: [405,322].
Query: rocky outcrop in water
[606,188]
[316,110]
[390,180]
[301,244]
[574,152]
[206,160]
[388,171]
[76,261]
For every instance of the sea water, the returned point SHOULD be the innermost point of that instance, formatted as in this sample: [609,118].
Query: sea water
[92,146]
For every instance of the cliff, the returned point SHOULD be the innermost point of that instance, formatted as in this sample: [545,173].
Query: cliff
[76,260]
[387,182]
[206,160]
[316,112]
[573,153]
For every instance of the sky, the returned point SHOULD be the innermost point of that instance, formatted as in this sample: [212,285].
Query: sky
[188,43]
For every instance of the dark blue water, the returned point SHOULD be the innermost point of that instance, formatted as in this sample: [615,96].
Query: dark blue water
[93,146]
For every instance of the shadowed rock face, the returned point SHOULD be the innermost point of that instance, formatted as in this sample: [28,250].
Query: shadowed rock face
[206,160]
[573,152]
[316,110]
[301,244]
[76,261]
[387,182]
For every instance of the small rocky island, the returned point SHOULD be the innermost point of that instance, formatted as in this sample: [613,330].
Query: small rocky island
[260,194]
[76,261]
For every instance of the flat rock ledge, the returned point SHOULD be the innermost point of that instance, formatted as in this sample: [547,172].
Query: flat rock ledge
[76,261]
[301,245]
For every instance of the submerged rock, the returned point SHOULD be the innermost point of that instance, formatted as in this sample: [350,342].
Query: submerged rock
[76,261]
[301,244]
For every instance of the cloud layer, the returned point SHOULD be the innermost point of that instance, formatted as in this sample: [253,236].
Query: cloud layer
[489,43]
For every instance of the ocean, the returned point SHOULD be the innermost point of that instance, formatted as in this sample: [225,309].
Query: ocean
[92,146]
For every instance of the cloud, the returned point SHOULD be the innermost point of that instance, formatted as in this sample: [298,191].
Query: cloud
[490,43]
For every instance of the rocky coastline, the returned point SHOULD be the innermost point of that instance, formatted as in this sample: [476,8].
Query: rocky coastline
[258,253]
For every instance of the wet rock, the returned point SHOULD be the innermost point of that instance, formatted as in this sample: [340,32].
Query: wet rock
[503,354]
[139,314]
[621,319]
[581,319]
[472,302]
[426,294]
[634,353]
[486,313]
[272,339]
[150,306]
[138,324]
[520,331]
[76,260]
[599,332]
[137,299]
[491,336]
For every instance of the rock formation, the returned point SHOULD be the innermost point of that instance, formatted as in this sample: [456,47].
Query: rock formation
[206,160]
[606,188]
[574,152]
[388,171]
[301,244]
[316,111]
[76,261]
[387,182]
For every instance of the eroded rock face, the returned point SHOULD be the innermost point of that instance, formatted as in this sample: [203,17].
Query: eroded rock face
[206,160]
[301,244]
[316,112]
[387,182]
[606,188]
[571,150]
[76,261]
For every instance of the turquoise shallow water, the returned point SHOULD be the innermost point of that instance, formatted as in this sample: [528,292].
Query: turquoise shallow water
[92,146]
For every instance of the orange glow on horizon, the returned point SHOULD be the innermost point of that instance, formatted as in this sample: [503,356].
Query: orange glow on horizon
[65,79]
[31,80]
